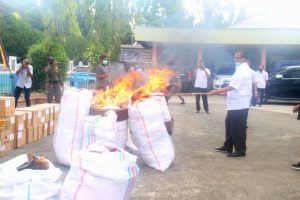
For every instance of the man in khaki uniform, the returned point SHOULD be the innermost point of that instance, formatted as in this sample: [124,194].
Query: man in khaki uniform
[54,81]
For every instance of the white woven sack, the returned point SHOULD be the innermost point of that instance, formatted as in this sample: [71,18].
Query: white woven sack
[28,184]
[75,106]
[158,96]
[146,122]
[105,129]
[103,171]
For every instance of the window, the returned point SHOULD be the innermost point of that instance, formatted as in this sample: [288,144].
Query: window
[295,73]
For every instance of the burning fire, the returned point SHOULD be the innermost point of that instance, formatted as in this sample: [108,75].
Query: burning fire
[133,87]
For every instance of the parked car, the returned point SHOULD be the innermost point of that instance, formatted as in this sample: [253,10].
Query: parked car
[223,77]
[284,83]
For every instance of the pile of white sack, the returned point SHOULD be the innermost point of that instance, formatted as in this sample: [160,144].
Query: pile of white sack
[93,147]
[146,122]
[28,184]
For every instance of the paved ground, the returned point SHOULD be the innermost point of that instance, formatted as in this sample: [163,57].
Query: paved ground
[199,172]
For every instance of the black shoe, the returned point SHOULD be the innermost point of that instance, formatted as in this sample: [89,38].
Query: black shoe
[207,112]
[296,166]
[182,102]
[237,154]
[223,149]
[197,111]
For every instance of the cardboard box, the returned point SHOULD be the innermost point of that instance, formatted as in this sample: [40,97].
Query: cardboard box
[20,119]
[56,111]
[35,133]
[21,138]
[34,112]
[49,109]
[4,143]
[45,133]
[4,148]
[28,117]
[13,123]
[29,135]
[12,140]
[3,135]
[41,114]
[50,127]
[40,131]
[7,106]
[5,124]
[55,125]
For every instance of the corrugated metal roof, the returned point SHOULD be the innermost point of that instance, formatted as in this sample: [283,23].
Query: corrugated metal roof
[219,36]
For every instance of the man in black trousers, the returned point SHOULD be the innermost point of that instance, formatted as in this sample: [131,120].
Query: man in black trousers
[201,75]
[239,92]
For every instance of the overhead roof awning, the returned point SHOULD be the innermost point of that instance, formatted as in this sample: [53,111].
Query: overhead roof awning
[218,36]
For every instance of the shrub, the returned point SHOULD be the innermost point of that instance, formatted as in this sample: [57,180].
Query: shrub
[38,55]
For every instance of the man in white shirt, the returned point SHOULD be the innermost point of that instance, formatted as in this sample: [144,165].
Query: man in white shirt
[24,72]
[202,75]
[239,94]
[262,78]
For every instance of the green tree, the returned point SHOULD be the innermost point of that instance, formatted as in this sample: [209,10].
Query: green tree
[75,48]
[17,34]
[161,13]
[38,55]
[106,24]
[60,21]
[213,14]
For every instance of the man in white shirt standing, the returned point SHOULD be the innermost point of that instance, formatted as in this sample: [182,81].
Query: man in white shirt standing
[239,92]
[262,78]
[202,75]
[24,72]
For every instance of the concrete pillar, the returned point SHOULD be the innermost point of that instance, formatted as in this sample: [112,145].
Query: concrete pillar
[200,55]
[154,54]
[263,56]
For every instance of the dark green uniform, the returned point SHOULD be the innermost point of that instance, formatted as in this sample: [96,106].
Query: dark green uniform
[54,81]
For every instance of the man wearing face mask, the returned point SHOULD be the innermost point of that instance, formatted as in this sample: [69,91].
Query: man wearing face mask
[102,73]
[24,72]
[239,92]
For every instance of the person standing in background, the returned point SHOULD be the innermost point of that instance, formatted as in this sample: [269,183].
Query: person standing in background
[201,75]
[54,81]
[175,87]
[24,71]
[262,78]
[103,73]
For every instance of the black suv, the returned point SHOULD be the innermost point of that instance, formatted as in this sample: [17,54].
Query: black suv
[284,83]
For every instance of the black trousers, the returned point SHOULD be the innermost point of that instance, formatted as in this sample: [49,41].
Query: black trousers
[204,99]
[235,129]
[18,92]
[261,95]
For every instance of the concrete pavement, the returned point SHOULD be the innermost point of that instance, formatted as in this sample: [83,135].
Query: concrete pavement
[199,172]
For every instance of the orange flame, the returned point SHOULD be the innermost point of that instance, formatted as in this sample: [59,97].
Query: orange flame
[133,87]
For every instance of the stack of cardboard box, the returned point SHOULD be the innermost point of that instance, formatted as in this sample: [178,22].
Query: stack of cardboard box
[22,126]
[7,110]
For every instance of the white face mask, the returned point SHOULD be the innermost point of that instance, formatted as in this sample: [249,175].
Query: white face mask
[105,62]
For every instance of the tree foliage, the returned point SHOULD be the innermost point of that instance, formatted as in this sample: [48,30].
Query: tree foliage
[17,34]
[38,55]
[213,14]
[105,23]
[161,13]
